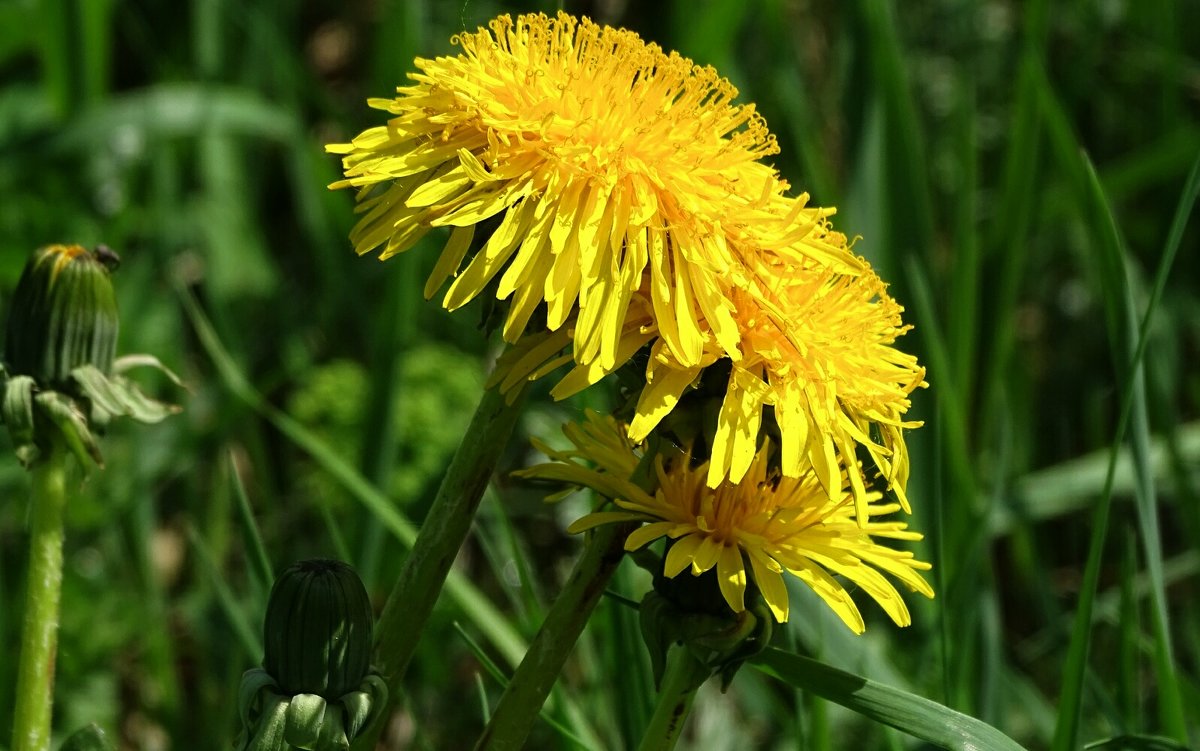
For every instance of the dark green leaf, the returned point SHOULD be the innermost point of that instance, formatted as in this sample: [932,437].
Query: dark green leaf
[910,713]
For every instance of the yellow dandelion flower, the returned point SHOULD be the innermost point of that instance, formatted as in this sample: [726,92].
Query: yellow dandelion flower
[777,524]
[626,184]
[835,381]
[824,359]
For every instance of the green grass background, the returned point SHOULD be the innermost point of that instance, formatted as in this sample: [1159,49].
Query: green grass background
[1014,169]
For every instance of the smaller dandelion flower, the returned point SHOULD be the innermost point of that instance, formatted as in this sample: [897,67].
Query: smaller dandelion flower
[776,524]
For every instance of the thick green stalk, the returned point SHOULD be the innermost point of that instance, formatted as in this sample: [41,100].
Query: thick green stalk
[442,534]
[39,634]
[684,675]
[518,709]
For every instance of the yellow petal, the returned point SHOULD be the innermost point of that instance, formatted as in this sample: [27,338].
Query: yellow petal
[450,259]
[731,574]
[499,248]
[482,205]
[598,518]
[770,583]
[583,376]
[679,555]
[834,595]
[691,340]
[532,256]
[706,555]
[664,386]
[646,534]
[448,181]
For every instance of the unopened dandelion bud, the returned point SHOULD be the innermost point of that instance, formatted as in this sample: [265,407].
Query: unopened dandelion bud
[318,629]
[316,689]
[64,314]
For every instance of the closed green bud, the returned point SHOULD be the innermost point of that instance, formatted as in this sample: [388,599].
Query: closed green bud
[317,631]
[63,314]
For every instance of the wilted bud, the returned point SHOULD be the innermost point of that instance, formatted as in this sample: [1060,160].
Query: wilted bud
[318,629]
[59,381]
[63,314]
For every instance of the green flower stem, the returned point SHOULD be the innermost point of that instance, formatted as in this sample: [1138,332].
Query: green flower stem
[39,635]
[530,685]
[442,534]
[683,676]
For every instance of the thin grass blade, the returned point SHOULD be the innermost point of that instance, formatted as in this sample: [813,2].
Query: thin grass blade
[912,714]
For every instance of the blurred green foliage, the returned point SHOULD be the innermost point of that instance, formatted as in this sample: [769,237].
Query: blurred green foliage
[188,137]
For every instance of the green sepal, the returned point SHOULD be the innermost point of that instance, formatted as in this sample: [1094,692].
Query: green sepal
[17,413]
[249,699]
[656,633]
[333,730]
[361,706]
[126,363]
[270,726]
[72,426]
[305,717]
[117,396]
[721,642]
[89,738]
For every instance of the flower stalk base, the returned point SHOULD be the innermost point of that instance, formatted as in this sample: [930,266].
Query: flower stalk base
[684,675]
[530,685]
[39,634]
[442,534]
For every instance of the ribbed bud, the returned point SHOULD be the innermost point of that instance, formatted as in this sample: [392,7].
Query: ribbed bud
[317,631]
[63,314]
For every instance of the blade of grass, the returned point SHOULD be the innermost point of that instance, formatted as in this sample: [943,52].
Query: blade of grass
[497,536]
[912,714]
[963,315]
[1010,240]
[336,538]
[1128,695]
[1069,486]
[499,676]
[246,634]
[262,561]
[1123,325]
[627,662]
[1136,743]
[395,332]
[908,201]
[487,618]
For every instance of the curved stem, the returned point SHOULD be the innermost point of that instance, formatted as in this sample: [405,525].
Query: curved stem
[684,675]
[443,532]
[39,633]
[525,694]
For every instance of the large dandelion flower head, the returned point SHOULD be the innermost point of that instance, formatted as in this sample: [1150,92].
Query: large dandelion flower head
[615,171]
[762,527]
